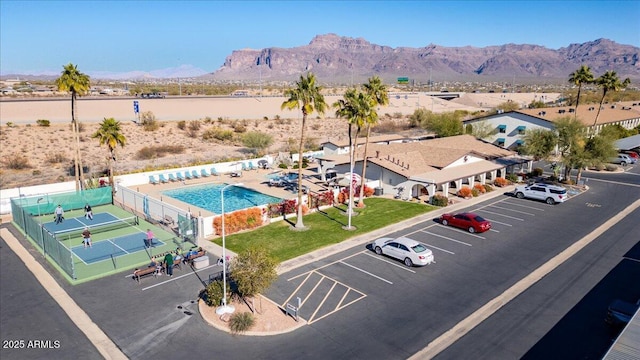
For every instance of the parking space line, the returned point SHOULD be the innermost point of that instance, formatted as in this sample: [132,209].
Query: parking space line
[389,262]
[450,239]
[494,230]
[524,206]
[299,286]
[498,222]
[437,248]
[419,230]
[340,307]
[322,302]
[507,216]
[366,272]
[324,266]
[176,278]
[312,290]
[512,210]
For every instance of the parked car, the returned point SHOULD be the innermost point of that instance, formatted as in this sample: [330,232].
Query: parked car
[632,155]
[621,159]
[551,194]
[466,220]
[409,251]
[620,312]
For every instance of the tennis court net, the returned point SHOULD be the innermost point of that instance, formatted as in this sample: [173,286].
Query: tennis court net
[98,228]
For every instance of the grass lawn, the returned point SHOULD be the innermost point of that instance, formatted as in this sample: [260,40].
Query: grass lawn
[325,228]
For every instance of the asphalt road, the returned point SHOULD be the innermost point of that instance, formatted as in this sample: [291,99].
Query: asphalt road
[363,306]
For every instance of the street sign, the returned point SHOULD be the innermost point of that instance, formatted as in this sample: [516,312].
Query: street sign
[136,108]
[403,80]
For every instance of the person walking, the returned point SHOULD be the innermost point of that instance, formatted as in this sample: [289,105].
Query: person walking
[86,237]
[88,213]
[168,263]
[59,214]
[149,239]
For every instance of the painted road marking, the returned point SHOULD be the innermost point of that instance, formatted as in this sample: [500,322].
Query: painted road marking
[450,239]
[380,258]
[437,248]
[515,211]
[507,216]
[366,272]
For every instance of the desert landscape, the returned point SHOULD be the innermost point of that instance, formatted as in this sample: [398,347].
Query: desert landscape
[48,150]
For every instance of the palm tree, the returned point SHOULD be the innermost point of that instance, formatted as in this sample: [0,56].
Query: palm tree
[579,77]
[78,84]
[307,97]
[380,95]
[608,81]
[110,134]
[358,108]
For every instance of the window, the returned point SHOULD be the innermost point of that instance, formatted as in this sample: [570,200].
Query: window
[521,129]
[500,141]
[502,129]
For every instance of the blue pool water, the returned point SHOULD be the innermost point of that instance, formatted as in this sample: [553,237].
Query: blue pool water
[208,197]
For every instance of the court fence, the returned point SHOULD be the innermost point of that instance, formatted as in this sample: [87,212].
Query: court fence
[157,211]
[25,209]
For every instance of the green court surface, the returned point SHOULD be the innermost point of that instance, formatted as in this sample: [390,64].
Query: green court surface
[112,255]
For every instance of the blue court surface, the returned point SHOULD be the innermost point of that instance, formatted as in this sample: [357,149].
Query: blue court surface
[112,248]
[79,223]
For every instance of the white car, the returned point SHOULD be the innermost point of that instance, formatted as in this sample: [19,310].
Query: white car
[551,194]
[409,251]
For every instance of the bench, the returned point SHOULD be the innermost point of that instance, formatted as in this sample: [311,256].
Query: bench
[189,259]
[138,274]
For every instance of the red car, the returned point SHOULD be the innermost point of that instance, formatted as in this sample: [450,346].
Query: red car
[468,221]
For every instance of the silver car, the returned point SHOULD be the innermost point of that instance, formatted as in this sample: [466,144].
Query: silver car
[409,251]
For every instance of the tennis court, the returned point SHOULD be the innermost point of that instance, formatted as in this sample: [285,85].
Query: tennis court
[110,249]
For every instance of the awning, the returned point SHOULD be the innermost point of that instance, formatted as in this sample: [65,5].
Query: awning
[521,128]
[500,140]
[502,127]
[519,142]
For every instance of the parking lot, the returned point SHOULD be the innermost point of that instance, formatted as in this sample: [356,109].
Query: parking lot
[345,281]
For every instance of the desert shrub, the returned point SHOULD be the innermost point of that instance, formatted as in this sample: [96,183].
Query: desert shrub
[283,166]
[239,128]
[480,188]
[611,167]
[208,120]
[439,200]
[464,192]
[56,158]
[217,134]
[195,125]
[10,124]
[81,127]
[475,192]
[537,172]
[397,115]
[149,122]
[316,126]
[214,293]
[182,124]
[43,122]
[17,162]
[241,322]
[36,172]
[488,188]
[600,167]
[500,182]
[152,152]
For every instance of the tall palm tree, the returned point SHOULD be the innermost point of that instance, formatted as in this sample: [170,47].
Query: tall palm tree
[357,107]
[608,81]
[307,97]
[380,95]
[77,84]
[109,133]
[579,77]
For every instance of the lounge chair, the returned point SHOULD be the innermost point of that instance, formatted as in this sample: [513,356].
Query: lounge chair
[172,177]
[195,174]
[204,173]
[152,180]
[245,167]
[252,167]
[187,175]
[236,174]
[163,179]
[179,176]
[214,172]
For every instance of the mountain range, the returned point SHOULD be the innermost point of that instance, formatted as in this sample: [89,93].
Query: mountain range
[334,57]
[339,59]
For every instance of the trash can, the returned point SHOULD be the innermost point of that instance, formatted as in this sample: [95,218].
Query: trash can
[378,191]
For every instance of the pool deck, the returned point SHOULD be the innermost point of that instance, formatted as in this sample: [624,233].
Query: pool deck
[257,180]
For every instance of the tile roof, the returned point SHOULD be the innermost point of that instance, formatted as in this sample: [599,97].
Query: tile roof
[610,113]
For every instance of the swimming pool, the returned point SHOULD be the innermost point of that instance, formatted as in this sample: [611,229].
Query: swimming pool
[208,197]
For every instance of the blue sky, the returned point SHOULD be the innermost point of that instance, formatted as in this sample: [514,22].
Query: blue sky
[121,36]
